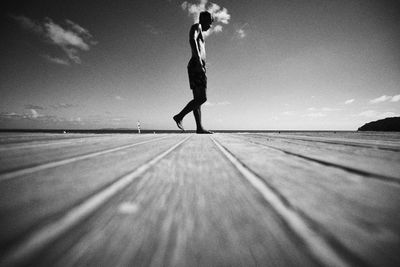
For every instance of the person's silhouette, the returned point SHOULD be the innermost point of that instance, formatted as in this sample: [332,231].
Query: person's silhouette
[197,73]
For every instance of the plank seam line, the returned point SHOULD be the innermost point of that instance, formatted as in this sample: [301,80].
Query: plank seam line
[40,167]
[317,245]
[332,142]
[50,232]
[37,144]
[2,142]
[365,174]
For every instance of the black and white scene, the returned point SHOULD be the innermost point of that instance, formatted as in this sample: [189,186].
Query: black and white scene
[207,133]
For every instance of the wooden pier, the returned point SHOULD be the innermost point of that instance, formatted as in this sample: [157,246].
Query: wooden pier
[227,199]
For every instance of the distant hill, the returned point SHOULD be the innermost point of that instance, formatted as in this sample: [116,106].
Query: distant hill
[388,125]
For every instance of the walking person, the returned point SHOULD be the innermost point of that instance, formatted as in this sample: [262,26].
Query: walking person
[197,73]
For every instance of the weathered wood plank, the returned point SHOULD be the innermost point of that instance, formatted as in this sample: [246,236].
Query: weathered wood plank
[7,138]
[28,201]
[194,208]
[347,135]
[380,141]
[52,141]
[360,159]
[361,215]
[359,153]
[16,157]
[191,209]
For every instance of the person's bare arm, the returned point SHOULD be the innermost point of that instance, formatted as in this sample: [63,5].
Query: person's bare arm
[194,34]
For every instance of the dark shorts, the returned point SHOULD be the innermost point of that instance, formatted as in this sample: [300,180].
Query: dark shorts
[197,79]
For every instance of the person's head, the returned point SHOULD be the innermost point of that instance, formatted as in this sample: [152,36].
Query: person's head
[205,19]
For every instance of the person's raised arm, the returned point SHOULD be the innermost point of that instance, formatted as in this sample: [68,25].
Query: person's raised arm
[194,34]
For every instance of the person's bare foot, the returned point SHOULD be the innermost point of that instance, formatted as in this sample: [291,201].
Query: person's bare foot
[178,122]
[203,132]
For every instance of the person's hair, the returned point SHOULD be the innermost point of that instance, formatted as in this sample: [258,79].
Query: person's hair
[206,16]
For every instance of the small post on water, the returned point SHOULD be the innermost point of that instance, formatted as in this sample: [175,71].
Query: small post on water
[138,126]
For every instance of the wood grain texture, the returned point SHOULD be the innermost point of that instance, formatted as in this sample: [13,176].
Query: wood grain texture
[35,154]
[361,213]
[20,138]
[190,205]
[366,160]
[379,141]
[26,201]
[193,210]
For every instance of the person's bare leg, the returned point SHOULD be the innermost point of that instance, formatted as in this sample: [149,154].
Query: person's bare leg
[188,108]
[197,117]
[201,96]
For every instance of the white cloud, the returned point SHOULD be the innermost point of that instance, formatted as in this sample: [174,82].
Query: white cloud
[389,114]
[395,98]
[64,38]
[12,115]
[194,9]
[213,8]
[80,30]
[56,60]
[184,5]
[377,115]
[71,41]
[380,99]
[34,113]
[368,113]
[63,105]
[118,97]
[217,28]
[28,24]
[349,101]
[220,14]
[30,106]
[240,33]
[72,38]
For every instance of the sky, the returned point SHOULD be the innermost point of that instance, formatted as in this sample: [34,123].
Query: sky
[271,64]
